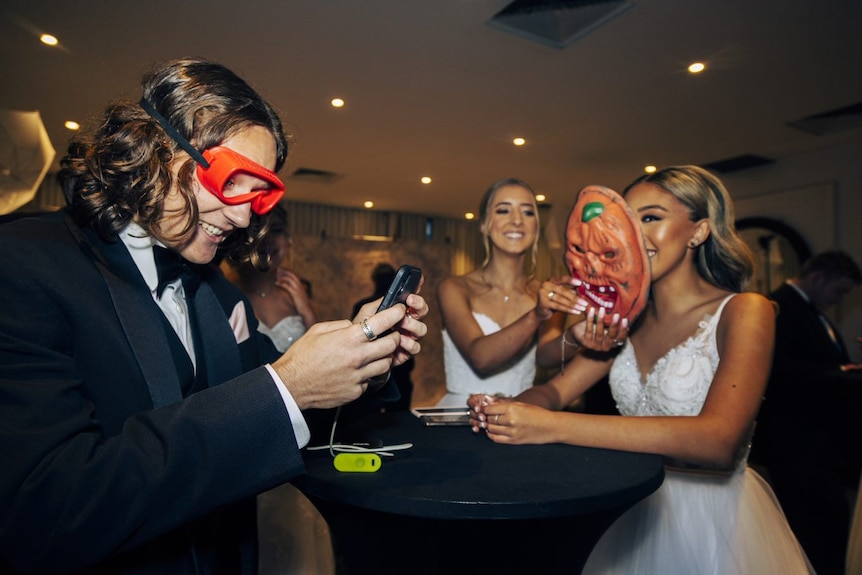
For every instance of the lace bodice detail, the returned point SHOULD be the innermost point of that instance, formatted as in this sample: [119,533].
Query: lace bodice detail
[678,382]
[285,332]
[460,377]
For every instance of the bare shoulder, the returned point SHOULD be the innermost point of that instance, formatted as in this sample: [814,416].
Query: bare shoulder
[453,285]
[747,314]
[456,291]
[750,303]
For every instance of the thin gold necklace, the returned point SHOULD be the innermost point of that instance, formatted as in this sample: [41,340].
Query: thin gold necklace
[492,286]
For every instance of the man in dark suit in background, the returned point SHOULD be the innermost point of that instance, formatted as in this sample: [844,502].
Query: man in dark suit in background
[809,435]
[140,410]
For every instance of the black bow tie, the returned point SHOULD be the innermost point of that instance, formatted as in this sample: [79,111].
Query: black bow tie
[171,266]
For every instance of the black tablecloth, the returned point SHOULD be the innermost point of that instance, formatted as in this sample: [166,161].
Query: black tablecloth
[456,495]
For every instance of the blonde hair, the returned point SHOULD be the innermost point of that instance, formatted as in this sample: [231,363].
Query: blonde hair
[724,259]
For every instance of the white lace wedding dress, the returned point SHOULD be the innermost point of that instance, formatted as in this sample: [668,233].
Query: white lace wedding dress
[698,522]
[461,380]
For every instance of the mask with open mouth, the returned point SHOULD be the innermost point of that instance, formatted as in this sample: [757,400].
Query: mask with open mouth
[605,249]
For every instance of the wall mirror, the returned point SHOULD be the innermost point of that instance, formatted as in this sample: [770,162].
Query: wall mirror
[779,251]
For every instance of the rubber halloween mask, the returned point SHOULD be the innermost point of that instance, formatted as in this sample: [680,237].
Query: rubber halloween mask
[605,250]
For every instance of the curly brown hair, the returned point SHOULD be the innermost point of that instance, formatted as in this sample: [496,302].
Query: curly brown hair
[121,172]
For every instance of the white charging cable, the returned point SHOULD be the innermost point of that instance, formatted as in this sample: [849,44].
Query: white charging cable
[334,448]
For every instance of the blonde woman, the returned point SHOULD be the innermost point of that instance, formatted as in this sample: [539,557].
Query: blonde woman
[495,326]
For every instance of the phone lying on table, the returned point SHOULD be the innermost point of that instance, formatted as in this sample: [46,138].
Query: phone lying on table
[406,282]
[447,419]
[436,416]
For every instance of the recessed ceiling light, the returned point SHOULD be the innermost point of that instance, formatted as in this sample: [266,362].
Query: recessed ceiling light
[425,180]
[697,67]
[337,103]
[49,40]
[540,197]
[70,125]
[368,204]
[650,169]
[519,141]
[469,215]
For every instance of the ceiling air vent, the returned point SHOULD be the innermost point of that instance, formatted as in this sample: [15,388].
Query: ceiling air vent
[831,122]
[315,176]
[556,23]
[738,163]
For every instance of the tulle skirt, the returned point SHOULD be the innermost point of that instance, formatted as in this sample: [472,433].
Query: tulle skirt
[698,524]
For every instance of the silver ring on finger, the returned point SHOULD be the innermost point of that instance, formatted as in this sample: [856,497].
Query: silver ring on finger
[551,295]
[367,330]
[497,419]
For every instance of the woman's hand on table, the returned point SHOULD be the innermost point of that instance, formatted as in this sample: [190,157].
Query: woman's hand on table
[512,422]
[477,403]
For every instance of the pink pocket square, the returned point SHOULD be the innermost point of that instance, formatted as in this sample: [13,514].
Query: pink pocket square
[238,323]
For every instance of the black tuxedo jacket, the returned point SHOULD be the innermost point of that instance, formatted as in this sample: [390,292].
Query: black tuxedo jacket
[801,340]
[105,467]
[809,416]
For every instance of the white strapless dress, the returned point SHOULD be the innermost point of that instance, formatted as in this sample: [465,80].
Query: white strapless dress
[696,523]
[285,332]
[462,381]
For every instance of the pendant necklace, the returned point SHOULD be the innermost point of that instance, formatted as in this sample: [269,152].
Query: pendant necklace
[264,292]
[490,285]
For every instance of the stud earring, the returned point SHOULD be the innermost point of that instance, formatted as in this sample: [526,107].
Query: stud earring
[692,245]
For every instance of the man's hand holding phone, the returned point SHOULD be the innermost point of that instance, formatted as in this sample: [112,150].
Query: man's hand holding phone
[407,283]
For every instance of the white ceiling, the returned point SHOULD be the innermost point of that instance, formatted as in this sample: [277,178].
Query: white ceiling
[431,89]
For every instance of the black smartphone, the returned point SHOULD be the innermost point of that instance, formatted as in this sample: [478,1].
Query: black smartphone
[405,283]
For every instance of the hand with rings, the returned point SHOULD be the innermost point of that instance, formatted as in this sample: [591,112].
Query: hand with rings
[559,294]
[410,325]
[477,403]
[367,330]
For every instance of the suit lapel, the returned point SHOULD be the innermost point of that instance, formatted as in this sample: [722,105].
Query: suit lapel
[217,341]
[134,306]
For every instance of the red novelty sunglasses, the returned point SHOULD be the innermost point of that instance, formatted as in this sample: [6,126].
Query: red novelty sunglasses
[220,171]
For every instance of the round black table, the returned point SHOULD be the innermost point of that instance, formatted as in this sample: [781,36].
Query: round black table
[456,502]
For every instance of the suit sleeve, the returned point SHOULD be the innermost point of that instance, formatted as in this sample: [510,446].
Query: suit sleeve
[77,486]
